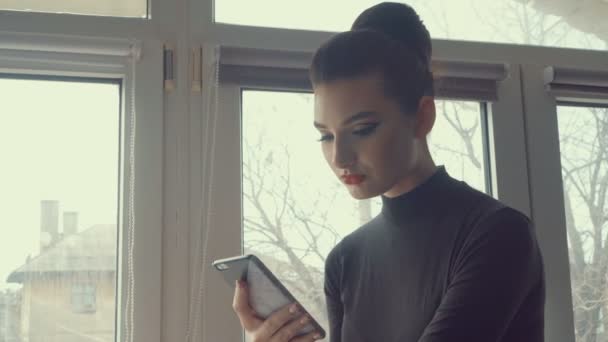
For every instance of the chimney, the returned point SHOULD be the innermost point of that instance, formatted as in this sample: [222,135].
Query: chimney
[70,223]
[49,223]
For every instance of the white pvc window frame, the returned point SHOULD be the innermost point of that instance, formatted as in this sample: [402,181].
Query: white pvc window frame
[161,18]
[86,45]
[545,87]
[45,56]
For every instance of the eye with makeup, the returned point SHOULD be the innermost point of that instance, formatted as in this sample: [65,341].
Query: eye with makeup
[367,129]
[363,131]
[325,137]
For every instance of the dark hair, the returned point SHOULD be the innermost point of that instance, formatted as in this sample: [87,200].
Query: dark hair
[400,22]
[357,53]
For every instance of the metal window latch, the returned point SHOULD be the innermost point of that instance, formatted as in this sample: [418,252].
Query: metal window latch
[169,67]
[197,69]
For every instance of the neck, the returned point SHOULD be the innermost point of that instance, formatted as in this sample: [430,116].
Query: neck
[422,171]
[424,200]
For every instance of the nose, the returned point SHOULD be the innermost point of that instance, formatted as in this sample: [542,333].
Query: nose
[343,155]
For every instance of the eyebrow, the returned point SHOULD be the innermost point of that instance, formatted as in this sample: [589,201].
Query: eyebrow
[353,118]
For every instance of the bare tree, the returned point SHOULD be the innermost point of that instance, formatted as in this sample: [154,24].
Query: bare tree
[452,112]
[294,235]
[522,24]
[286,221]
[584,145]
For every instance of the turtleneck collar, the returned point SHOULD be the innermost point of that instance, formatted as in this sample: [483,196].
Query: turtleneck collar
[418,201]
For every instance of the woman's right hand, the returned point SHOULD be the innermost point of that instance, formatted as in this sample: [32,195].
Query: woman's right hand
[280,326]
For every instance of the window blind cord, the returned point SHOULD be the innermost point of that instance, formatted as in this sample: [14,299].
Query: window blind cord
[192,324]
[211,107]
[205,264]
[129,321]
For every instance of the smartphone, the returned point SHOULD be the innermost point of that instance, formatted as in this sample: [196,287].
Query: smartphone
[266,293]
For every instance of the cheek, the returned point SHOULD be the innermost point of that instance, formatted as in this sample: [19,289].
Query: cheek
[393,154]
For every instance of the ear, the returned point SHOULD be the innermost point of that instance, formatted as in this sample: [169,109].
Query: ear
[425,117]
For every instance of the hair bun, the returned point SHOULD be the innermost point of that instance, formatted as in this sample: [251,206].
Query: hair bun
[400,22]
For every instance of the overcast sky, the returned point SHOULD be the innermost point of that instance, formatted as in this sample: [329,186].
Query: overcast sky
[477,20]
[58,141]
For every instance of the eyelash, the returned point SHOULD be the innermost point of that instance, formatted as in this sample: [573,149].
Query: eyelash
[369,129]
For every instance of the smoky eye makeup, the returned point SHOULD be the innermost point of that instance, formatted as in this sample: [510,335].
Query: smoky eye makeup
[325,137]
[367,129]
[362,131]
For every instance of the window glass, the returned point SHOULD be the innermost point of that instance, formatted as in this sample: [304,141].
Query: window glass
[113,8]
[59,146]
[572,24]
[583,137]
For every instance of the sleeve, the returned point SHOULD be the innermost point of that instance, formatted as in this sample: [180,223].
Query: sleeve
[335,310]
[498,266]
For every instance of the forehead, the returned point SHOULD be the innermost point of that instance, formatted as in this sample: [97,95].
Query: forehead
[339,99]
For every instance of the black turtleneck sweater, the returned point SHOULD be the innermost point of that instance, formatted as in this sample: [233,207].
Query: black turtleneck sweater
[441,263]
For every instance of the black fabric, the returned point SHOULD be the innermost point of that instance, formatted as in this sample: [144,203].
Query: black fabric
[441,263]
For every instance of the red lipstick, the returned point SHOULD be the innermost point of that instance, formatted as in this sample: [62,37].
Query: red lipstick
[353,179]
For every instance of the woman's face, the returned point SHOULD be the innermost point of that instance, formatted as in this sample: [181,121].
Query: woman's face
[368,142]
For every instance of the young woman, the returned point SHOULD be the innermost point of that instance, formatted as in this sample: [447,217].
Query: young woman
[442,262]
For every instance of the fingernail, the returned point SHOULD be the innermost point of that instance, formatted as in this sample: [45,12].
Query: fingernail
[240,284]
[304,320]
[317,336]
[293,309]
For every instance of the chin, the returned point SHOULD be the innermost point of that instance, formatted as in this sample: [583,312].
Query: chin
[362,194]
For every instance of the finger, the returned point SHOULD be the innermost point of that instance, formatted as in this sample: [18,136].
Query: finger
[287,332]
[278,319]
[240,304]
[311,336]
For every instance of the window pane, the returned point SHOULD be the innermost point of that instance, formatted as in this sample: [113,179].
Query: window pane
[583,135]
[113,8]
[537,22]
[288,187]
[59,142]
[456,141]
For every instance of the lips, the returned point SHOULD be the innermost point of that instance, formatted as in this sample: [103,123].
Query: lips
[353,179]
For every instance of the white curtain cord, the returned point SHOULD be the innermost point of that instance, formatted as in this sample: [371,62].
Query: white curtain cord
[130,309]
[211,57]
